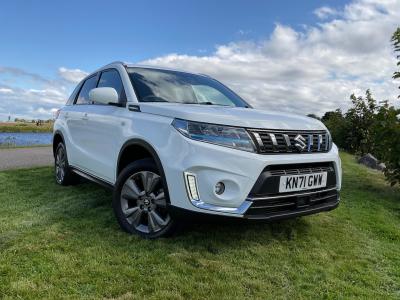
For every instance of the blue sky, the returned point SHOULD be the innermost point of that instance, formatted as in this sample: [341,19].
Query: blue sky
[86,34]
[40,39]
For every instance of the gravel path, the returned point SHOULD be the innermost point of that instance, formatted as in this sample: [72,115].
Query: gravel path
[25,157]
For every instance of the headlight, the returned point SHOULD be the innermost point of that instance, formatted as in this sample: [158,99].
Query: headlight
[227,136]
[330,141]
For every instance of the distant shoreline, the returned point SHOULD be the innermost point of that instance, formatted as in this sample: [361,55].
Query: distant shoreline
[21,127]
[23,147]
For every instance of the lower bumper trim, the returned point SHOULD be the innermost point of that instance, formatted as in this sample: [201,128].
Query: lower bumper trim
[230,210]
[286,206]
[297,213]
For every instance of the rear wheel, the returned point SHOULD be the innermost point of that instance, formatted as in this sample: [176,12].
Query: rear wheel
[140,201]
[63,173]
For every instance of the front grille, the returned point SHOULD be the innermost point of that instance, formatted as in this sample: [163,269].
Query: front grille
[290,141]
[286,205]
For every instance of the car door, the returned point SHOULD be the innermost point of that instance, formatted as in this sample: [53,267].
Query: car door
[104,129]
[76,119]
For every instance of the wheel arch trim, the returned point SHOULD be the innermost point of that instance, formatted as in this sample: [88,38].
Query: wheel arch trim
[148,147]
[57,132]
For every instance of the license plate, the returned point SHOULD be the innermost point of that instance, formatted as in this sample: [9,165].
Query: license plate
[293,183]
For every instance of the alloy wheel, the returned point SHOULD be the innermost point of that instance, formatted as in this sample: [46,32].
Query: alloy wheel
[60,164]
[143,202]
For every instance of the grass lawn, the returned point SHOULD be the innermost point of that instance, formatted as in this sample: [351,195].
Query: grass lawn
[58,242]
[25,127]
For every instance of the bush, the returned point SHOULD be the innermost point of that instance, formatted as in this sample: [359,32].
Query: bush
[360,117]
[369,128]
[386,131]
[338,127]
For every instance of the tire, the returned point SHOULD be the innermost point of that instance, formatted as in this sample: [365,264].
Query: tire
[141,201]
[62,171]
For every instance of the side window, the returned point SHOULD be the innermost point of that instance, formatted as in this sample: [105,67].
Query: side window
[111,78]
[89,84]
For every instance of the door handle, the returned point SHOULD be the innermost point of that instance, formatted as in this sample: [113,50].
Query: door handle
[66,115]
[85,117]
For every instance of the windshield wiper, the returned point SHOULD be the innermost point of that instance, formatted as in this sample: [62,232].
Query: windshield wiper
[205,103]
[211,103]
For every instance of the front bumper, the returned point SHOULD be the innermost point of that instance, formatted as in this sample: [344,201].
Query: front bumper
[239,171]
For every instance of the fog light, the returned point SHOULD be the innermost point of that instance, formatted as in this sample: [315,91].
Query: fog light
[219,188]
[191,186]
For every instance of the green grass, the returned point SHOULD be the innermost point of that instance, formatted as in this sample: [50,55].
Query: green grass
[63,242]
[25,127]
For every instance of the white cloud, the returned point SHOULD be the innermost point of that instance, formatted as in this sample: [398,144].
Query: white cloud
[6,91]
[37,97]
[325,12]
[244,32]
[31,104]
[309,71]
[72,75]
[303,71]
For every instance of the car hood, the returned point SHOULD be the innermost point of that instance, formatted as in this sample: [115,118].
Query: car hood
[234,116]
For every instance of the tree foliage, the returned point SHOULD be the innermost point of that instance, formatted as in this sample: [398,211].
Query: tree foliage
[368,127]
[361,118]
[386,134]
[338,127]
[396,45]
[314,116]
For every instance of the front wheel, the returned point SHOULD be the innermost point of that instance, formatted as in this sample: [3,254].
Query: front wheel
[140,201]
[62,170]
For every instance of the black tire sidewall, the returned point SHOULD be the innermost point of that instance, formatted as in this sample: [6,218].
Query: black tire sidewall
[129,170]
[68,174]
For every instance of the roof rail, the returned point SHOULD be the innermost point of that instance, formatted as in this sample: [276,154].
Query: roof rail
[117,62]
[206,75]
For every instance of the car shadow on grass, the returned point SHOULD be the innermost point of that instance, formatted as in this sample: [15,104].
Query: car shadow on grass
[84,214]
[92,211]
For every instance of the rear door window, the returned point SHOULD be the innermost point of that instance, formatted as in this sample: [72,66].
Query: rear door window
[83,97]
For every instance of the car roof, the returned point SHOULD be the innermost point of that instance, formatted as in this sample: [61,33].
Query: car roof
[131,65]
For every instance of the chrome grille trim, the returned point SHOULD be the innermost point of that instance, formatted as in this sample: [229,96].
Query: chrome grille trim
[300,171]
[274,141]
[295,204]
[290,195]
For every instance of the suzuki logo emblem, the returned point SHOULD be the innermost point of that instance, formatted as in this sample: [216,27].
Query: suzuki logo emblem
[300,142]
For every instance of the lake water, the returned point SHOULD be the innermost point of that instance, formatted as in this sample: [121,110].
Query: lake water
[25,138]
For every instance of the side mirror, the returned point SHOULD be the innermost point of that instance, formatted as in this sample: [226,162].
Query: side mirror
[103,95]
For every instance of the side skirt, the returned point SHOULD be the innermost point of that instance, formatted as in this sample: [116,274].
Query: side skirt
[92,178]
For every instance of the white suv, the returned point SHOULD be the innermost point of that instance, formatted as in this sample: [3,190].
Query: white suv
[170,143]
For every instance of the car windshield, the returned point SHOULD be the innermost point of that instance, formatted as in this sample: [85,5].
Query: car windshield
[153,85]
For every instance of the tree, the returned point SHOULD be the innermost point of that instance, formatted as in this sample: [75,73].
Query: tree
[369,126]
[337,124]
[386,134]
[314,116]
[396,45]
[361,118]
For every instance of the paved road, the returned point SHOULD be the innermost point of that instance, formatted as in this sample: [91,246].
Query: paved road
[25,157]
